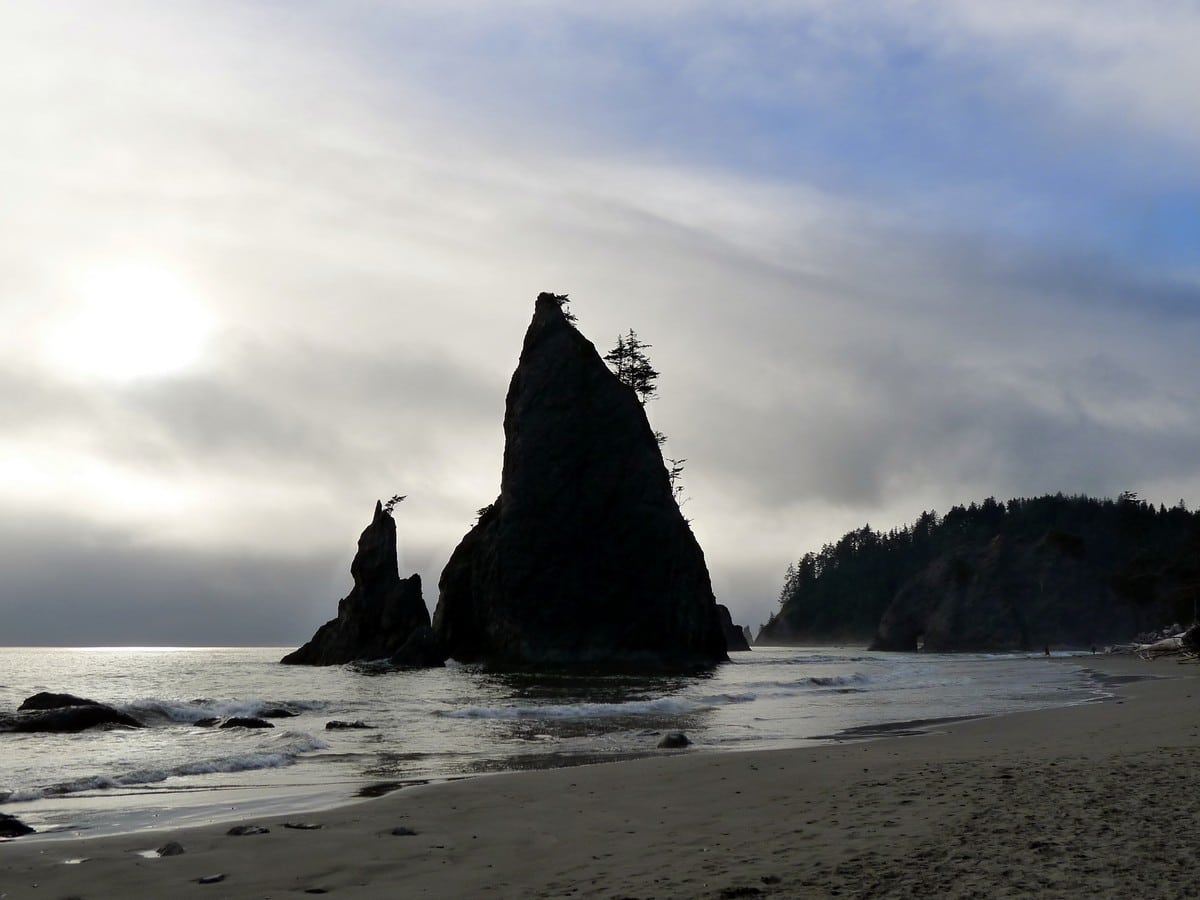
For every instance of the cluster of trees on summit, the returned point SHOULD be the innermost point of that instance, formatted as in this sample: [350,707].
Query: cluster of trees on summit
[629,361]
[1137,556]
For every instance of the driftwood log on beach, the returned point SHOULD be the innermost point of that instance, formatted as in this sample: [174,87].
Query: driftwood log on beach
[1186,643]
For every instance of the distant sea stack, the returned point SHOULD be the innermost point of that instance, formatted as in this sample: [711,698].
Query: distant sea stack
[383,616]
[735,635]
[585,558]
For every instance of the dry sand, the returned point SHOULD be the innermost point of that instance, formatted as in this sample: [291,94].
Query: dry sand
[1095,800]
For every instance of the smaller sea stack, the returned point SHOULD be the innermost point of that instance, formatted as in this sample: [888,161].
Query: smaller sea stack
[381,613]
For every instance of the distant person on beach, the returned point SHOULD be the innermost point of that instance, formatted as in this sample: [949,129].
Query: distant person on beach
[1047,650]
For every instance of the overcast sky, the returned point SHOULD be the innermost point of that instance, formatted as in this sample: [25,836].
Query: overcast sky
[262,263]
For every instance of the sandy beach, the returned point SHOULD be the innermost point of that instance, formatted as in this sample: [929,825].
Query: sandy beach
[1093,800]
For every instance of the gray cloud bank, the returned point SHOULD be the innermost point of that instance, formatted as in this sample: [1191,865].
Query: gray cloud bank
[840,342]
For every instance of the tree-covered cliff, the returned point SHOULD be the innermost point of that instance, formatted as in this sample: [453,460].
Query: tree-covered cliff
[1049,570]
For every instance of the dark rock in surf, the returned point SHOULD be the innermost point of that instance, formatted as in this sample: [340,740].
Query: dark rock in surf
[46,700]
[277,712]
[585,558]
[735,637]
[245,722]
[674,740]
[381,612]
[207,723]
[422,650]
[170,848]
[68,719]
[338,725]
[11,827]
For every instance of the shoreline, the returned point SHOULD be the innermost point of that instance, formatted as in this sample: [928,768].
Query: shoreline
[1070,801]
[278,791]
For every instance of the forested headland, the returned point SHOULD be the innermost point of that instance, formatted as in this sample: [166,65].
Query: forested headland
[1016,575]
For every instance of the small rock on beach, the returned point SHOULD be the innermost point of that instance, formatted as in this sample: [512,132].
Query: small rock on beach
[240,830]
[11,826]
[673,741]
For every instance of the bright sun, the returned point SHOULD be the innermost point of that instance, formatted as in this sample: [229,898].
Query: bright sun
[131,322]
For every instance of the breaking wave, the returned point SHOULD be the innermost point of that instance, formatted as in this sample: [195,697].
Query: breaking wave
[152,710]
[663,706]
[286,755]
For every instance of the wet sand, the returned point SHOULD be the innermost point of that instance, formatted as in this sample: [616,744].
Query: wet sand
[1094,800]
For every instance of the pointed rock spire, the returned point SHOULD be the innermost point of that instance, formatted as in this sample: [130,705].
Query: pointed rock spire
[585,558]
[380,614]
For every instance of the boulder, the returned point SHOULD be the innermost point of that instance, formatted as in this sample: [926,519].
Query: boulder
[338,724]
[245,722]
[674,740]
[11,826]
[584,559]
[45,700]
[67,719]
[381,612]
[735,636]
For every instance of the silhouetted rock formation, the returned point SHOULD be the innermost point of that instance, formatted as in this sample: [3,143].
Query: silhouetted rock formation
[735,637]
[584,559]
[381,612]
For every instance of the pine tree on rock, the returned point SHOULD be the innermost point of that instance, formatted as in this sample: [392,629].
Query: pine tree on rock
[631,365]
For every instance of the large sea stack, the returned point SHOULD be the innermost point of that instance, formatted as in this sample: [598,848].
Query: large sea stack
[585,558]
[383,616]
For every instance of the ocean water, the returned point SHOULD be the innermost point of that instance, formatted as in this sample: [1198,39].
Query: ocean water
[443,723]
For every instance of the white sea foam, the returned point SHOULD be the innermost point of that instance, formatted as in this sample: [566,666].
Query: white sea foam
[151,709]
[661,706]
[723,699]
[827,681]
[809,683]
[296,745]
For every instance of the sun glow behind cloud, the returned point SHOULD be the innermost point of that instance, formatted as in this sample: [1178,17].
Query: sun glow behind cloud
[129,322]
